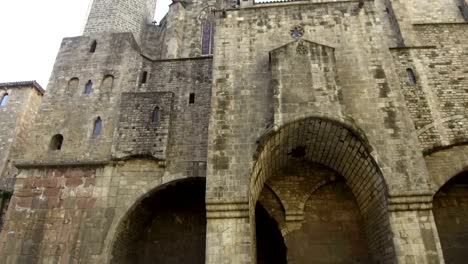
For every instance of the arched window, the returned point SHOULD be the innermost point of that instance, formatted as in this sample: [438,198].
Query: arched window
[108,82]
[97,127]
[156,116]
[4,100]
[144,77]
[411,76]
[207,37]
[56,142]
[73,84]
[88,87]
[93,47]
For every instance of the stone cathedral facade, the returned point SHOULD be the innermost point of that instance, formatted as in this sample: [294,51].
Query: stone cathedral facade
[244,132]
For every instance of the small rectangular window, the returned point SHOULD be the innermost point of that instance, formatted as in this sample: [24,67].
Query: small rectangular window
[192,98]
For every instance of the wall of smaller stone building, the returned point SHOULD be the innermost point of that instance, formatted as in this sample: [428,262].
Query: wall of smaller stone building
[16,118]
[9,115]
[26,122]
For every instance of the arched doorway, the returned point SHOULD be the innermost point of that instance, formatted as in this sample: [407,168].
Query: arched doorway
[167,226]
[318,180]
[450,209]
[317,213]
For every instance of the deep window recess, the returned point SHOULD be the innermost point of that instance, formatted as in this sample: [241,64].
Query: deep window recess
[93,47]
[191,98]
[156,116]
[411,76]
[4,100]
[88,87]
[56,142]
[97,127]
[144,77]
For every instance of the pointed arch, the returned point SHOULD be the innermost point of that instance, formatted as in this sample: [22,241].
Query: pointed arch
[341,148]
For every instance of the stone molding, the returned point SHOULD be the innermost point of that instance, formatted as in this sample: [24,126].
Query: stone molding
[220,210]
[417,202]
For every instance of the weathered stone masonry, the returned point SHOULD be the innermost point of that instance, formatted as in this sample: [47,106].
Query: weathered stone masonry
[323,131]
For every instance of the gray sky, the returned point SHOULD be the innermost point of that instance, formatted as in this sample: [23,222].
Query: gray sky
[31,32]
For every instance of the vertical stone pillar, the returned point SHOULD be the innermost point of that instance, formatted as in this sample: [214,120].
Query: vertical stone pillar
[228,237]
[415,234]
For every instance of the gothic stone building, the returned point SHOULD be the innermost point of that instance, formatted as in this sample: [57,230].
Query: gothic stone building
[245,132]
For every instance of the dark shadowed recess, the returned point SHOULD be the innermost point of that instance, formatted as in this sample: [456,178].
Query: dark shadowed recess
[168,226]
[270,244]
[451,217]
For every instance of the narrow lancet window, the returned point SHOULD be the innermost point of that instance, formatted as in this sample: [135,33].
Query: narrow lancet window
[411,76]
[156,117]
[88,87]
[207,37]
[56,142]
[191,98]
[144,77]
[93,47]
[97,127]
[4,100]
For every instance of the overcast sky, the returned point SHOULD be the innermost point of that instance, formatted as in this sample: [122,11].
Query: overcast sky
[31,32]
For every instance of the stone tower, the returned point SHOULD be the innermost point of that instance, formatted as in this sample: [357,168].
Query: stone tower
[250,132]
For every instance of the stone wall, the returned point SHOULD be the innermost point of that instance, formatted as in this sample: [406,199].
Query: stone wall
[16,116]
[318,82]
[438,100]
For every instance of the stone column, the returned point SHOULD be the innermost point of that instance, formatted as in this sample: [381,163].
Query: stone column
[228,233]
[415,234]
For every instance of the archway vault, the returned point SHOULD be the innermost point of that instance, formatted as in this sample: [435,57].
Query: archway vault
[163,222]
[341,148]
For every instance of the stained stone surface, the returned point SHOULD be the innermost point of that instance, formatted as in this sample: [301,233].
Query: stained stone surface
[303,110]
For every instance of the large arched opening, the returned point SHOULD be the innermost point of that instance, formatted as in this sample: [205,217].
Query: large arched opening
[450,209]
[317,179]
[167,226]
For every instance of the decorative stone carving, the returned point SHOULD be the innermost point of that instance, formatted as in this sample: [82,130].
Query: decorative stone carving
[297,32]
